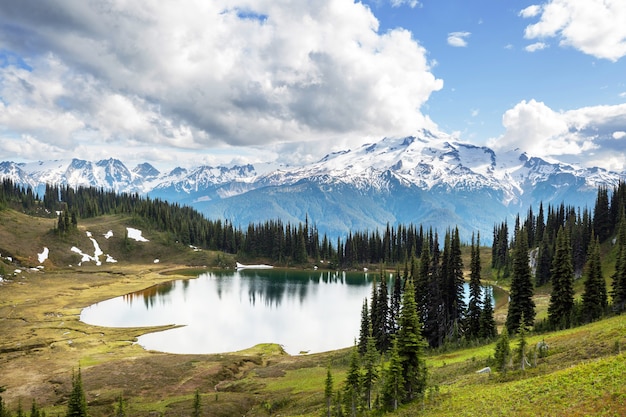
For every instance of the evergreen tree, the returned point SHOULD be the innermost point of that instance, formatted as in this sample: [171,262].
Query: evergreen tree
[393,387]
[502,352]
[328,391]
[411,346]
[34,410]
[487,322]
[594,296]
[396,302]
[353,383]
[544,262]
[370,371]
[474,306]
[601,215]
[521,302]
[365,329]
[380,319]
[120,409]
[618,292]
[522,343]
[77,404]
[562,298]
[197,406]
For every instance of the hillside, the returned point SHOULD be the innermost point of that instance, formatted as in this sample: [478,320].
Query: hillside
[43,340]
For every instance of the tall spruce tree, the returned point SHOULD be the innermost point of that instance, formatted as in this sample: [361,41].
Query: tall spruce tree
[594,296]
[77,404]
[488,328]
[393,387]
[328,391]
[475,291]
[502,353]
[411,346]
[366,326]
[352,386]
[370,370]
[561,304]
[521,294]
[618,291]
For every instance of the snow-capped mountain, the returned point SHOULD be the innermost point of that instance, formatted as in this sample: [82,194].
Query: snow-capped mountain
[429,179]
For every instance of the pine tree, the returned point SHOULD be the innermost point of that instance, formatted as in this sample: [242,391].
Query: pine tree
[562,298]
[365,329]
[411,346]
[544,262]
[353,383]
[474,306]
[502,352]
[77,404]
[380,318]
[522,343]
[393,387]
[197,406]
[370,371]
[487,321]
[328,391]
[618,292]
[594,296]
[34,410]
[120,409]
[521,302]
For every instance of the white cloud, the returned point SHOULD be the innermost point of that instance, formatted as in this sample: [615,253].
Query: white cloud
[197,74]
[458,39]
[530,11]
[595,27]
[537,46]
[585,135]
[619,135]
[411,3]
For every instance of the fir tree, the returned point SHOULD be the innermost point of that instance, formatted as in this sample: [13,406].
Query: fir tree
[120,409]
[353,383]
[34,410]
[328,391]
[474,306]
[544,262]
[393,387]
[562,298]
[370,371]
[411,346]
[618,292]
[594,296]
[502,352]
[365,329]
[522,343]
[197,406]
[77,404]
[487,322]
[521,302]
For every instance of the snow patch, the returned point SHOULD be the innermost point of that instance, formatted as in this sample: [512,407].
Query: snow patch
[43,255]
[136,235]
[110,259]
[156,261]
[108,234]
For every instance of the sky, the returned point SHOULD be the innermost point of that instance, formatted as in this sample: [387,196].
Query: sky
[222,82]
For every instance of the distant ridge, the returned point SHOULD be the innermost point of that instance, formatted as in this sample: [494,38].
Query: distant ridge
[430,179]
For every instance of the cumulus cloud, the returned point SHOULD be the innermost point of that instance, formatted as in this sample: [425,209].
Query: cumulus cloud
[589,136]
[594,27]
[537,46]
[458,39]
[530,11]
[196,74]
[411,3]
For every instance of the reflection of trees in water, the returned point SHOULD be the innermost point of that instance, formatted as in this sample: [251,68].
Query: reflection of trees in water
[272,286]
[150,295]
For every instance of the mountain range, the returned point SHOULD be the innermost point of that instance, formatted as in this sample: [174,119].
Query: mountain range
[429,179]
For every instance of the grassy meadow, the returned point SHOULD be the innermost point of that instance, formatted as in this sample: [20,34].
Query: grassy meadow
[43,340]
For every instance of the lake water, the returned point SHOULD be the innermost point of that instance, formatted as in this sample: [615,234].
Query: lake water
[230,311]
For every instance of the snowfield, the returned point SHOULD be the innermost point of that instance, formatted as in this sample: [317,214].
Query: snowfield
[136,235]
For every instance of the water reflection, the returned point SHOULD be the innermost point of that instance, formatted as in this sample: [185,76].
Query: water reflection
[229,311]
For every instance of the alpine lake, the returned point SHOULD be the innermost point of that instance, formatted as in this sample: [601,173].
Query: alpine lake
[228,311]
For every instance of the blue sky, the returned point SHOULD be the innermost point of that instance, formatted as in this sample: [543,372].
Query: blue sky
[241,81]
